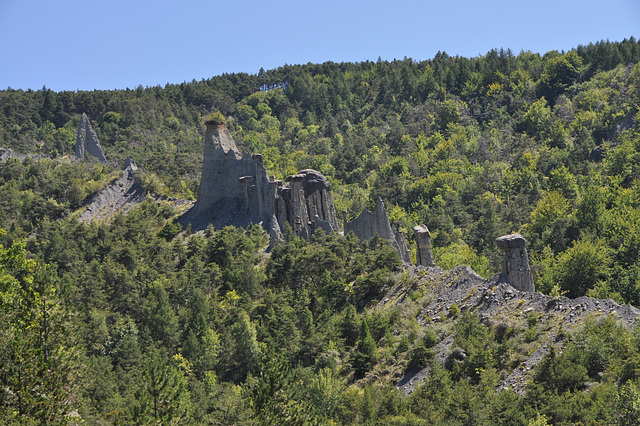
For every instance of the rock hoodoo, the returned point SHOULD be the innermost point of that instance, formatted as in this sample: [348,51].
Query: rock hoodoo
[368,224]
[87,141]
[306,203]
[236,190]
[515,267]
[424,257]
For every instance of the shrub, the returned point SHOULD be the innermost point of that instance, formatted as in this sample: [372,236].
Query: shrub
[215,118]
[454,311]
[419,357]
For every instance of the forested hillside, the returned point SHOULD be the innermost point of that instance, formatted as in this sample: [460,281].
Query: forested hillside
[138,320]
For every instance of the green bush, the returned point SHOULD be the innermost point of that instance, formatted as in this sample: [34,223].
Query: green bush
[215,119]
[419,357]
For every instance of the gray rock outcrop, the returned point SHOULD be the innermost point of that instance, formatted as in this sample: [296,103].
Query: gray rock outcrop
[6,153]
[234,189]
[368,224]
[599,152]
[305,202]
[87,141]
[515,267]
[424,257]
[626,123]
[120,195]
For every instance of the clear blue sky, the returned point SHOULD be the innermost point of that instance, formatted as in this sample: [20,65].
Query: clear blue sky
[74,45]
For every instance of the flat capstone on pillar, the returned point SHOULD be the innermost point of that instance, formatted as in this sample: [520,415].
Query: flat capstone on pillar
[515,267]
[424,257]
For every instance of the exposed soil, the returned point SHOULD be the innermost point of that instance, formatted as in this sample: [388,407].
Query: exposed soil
[498,304]
[120,195]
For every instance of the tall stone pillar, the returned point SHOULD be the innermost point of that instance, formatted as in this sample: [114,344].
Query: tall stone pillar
[87,141]
[424,257]
[515,267]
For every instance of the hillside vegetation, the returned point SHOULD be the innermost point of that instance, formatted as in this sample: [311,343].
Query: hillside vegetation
[137,320]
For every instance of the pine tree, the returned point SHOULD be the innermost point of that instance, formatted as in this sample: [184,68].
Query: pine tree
[37,356]
[366,353]
[163,396]
[246,351]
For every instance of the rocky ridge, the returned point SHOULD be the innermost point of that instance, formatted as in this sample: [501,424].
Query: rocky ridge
[500,305]
[121,195]
[7,153]
[236,190]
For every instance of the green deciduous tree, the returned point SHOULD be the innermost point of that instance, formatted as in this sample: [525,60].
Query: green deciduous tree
[548,221]
[582,266]
[560,72]
[537,119]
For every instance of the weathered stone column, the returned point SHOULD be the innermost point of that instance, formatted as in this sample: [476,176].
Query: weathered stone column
[424,257]
[87,141]
[515,267]
[368,224]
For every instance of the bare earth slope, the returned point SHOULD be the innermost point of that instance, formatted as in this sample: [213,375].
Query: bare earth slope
[120,196]
[500,305]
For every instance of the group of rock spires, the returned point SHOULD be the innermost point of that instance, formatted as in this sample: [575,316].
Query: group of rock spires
[236,190]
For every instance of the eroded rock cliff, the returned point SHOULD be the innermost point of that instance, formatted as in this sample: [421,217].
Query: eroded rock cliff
[236,190]
[305,202]
[87,141]
[370,223]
